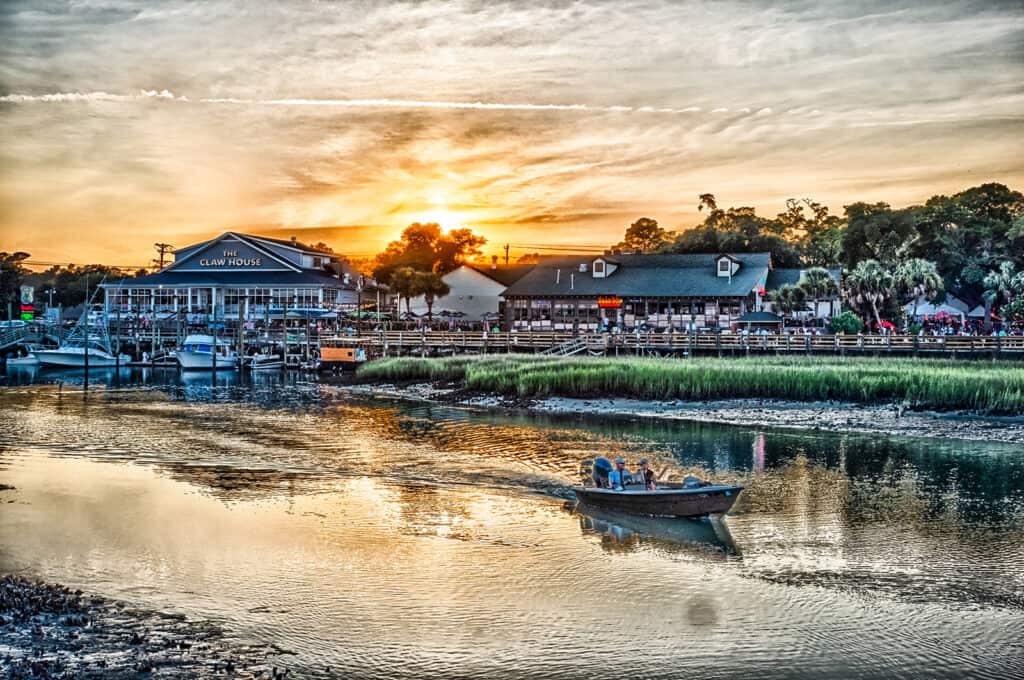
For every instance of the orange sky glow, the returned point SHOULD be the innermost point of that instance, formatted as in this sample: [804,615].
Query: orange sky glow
[125,123]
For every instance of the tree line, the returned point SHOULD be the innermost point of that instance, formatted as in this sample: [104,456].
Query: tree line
[970,244]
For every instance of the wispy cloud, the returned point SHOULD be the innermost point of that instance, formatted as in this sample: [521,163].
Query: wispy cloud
[126,121]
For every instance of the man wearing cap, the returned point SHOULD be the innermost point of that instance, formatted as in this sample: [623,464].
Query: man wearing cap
[646,475]
[617,477]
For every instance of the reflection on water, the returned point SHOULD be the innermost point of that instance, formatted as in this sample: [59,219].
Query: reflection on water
[621,531]
[387,539]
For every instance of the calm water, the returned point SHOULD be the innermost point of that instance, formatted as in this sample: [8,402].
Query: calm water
[389,540]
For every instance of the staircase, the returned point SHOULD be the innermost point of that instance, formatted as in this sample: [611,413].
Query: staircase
[567,348]
[12,336]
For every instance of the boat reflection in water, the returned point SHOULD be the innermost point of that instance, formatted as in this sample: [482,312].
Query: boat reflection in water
[624,532]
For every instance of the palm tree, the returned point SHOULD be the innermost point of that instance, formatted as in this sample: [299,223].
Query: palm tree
[1006,282]
[403,282]
[919,278]
[788,299]
[817,283]
[431,286]
[870,283]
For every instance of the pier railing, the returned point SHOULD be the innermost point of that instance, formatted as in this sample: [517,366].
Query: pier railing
[454,342]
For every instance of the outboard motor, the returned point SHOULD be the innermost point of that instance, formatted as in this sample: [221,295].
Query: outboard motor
[602,468]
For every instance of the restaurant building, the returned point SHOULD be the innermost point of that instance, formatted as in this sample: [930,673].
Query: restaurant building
[651,292]
[241,276]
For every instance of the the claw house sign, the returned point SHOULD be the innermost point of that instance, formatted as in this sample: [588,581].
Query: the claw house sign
[609,302]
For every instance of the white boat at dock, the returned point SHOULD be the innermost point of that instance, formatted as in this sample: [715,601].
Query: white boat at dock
[197,353]
[84,346]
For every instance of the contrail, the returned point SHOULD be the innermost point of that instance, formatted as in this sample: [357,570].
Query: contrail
[73,97]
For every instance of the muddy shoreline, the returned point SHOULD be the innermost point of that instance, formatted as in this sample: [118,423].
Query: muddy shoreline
[888,419]
[50,631]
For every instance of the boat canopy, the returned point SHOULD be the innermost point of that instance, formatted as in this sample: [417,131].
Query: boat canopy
[205,340]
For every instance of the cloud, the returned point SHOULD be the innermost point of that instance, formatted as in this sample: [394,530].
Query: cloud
[126,121]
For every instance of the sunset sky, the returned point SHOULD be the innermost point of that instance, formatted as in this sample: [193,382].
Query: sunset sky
[126,122]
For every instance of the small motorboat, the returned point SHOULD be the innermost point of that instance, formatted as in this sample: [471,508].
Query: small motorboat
[266,362]
[669,500]
[690,498]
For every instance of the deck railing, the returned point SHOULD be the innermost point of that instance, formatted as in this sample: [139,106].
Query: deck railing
[663,343]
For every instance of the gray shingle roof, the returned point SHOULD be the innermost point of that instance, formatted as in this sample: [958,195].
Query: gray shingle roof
[506,275]
[643,276]
[783,277]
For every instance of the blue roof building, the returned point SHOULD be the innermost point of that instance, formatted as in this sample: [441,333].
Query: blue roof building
[244,276]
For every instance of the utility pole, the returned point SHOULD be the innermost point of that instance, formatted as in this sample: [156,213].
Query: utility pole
[162,249]
[506,253]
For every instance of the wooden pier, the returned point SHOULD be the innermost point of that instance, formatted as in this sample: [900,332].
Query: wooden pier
[434,343]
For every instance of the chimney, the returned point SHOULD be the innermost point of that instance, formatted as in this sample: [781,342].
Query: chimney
[295,239]
[494,261]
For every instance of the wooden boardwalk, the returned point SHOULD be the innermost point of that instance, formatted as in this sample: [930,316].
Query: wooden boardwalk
[432,343]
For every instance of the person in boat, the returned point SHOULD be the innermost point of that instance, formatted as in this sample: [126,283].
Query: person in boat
[618,478]
[645,475]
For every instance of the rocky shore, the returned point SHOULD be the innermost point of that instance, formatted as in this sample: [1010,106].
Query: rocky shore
[49,631]
[825,416]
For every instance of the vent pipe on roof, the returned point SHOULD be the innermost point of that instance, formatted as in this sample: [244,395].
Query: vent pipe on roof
[572,281]
[295,239]
[558,276]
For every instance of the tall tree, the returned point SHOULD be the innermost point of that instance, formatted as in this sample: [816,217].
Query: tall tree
[646,235]
[918,278]
[874,231]
[737,230]
[425,247]
[404,283]
[12,271]
[970,234]
[870,283]
[817,284]
[788,299]
[1004,285]
[431,286]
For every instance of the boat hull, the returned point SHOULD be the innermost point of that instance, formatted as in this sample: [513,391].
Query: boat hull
[65,359]
[708,500]
[204,361]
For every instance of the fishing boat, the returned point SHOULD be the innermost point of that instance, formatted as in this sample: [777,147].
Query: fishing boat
[669,500]
[86,345]
[690,498]
[198,353]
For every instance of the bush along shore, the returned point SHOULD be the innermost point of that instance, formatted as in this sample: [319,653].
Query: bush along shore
[986,388]
[49,631]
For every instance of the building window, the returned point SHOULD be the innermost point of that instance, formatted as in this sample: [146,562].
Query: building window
[598,268]
[729,307]
[724,265]
[318,263]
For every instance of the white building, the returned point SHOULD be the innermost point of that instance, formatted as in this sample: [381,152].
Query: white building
[476,291]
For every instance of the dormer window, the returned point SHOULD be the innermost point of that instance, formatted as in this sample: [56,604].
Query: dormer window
[598,269]
[727,266]
[318,263]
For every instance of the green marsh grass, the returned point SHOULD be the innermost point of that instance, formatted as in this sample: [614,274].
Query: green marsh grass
[985,387]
